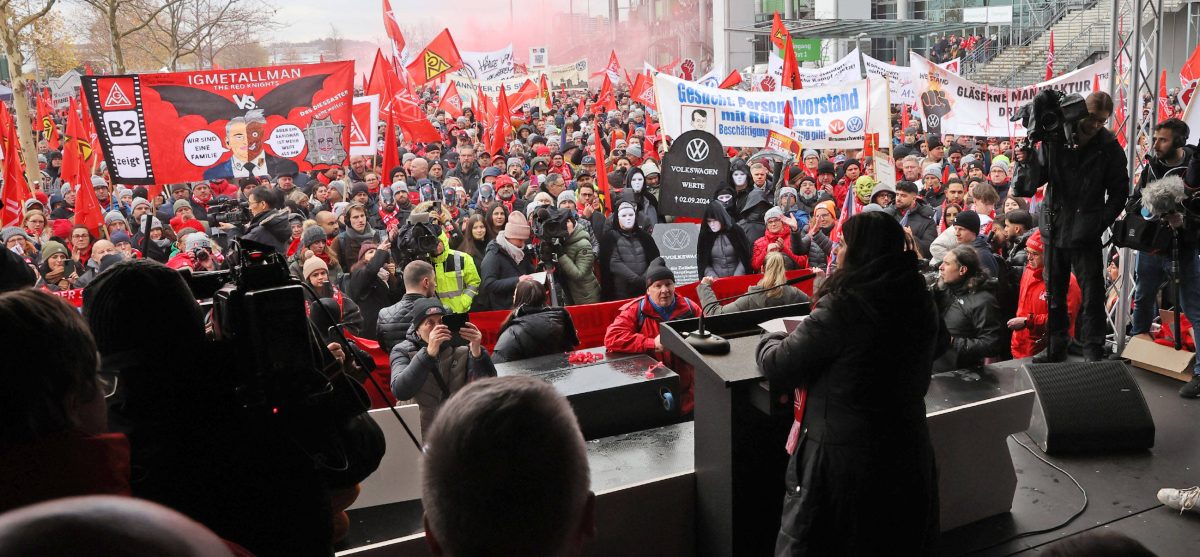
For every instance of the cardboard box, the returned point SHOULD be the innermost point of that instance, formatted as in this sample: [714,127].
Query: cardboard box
[1164,360]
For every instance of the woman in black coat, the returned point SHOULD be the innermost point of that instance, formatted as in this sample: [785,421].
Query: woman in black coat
[969,310]
[532,329]
[722,249]
[625,253]
[863,355]
[368,288]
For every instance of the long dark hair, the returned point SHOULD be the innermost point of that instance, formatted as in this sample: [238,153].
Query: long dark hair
[468,244]
[870,239]
[966,256]
[487,217]
[527,293]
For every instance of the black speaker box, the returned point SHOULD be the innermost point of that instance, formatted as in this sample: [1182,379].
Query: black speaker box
[1087,407]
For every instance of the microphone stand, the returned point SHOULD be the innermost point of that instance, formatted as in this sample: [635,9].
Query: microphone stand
[705,342]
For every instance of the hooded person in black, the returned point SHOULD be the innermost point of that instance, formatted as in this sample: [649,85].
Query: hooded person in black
[752,217]
[645,204]
[739,179]
[625,253]
[723,249]
[727,197]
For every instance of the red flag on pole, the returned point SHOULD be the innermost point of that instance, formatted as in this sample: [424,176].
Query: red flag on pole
[72,161]
[1050,58]
[1189,76]
[731,81]
[601,168]
[791,69]
[545,87]
[438,58]
[16,189]
[391,145]
[904,117]
[579,110]
[393,31]
[787,115]
[451,101]
[607,100]
[779,33]
[1164,107]
[87,208]
[378,84]
[643,91]
[501,123]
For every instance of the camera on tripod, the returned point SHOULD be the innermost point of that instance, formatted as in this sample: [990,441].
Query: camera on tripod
[230,211]
[550,227]
[415,240]
[1052,116]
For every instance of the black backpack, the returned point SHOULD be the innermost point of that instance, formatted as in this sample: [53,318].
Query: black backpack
[1136,232]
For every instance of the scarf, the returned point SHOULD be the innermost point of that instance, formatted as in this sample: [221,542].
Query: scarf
[367,235]
[514,252]
[664,312]
[389,218]
[57,278]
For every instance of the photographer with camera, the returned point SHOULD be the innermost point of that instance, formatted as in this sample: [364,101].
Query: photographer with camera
[1162,190]
[268,222]
[1087,185]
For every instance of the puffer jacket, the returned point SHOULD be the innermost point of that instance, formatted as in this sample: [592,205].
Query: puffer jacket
[923,224]
[972,317]
[575,266]
[430,381]
[722,254]
[394,320]
[634,330]
[708,299]
[271,228]
[533,332]
[625,255]
[795,249]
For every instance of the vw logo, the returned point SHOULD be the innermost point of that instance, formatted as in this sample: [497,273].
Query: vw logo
[697,149]
[934,120]
[676,239]
[854,124]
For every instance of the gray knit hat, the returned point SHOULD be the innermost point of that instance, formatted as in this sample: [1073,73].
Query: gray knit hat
[312,235]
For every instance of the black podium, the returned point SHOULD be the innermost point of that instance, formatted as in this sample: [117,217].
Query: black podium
[741,427]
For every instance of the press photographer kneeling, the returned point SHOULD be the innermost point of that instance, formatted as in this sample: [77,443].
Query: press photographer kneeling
[1171,211]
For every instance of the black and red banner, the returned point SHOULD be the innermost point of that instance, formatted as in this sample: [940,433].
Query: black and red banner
[190,126]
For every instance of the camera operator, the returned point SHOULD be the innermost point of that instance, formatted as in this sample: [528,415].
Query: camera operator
[268,222]
[1171,157]
[1088,186]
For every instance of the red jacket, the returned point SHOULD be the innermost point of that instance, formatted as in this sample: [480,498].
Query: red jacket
[634,331]
[64,465]
[760,250]
[1033,306]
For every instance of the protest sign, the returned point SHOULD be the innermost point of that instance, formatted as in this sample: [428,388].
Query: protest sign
[63,87]
[841,71]
[834,117]
[571,76]
[468,89]
[191,126]
[677,245]
[364,125]
[949,103]
[900,80]
[488,66]
[692,171]
[783,141]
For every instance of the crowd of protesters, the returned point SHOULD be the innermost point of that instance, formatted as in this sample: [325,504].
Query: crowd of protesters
[976,241]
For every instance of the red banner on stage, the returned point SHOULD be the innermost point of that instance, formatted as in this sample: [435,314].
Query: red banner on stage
[190,126]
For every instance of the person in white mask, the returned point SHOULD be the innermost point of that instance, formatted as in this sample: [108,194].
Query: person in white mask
[646,205]
[625,252]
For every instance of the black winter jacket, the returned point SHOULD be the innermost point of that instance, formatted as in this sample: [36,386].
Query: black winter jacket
[271,228]
[972,317]
[922,221]
[1094,183]
[534,332]
[624,257]
[394,321]
[370,293]
[498,278]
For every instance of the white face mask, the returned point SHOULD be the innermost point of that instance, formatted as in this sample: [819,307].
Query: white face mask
[724,198]
[626,217]
[636,182]
[714,225]
[739,178]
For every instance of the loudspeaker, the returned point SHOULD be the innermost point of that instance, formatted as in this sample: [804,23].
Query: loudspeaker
[1087,407]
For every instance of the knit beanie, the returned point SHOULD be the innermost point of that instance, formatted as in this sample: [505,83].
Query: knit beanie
[197,240]
[113,216]
[312,235]
[933,170]
[773,213]
[357,188]
[566,195]
[9,232]
[517,227]
[1034,242]
[61,228]
[50,248]
[424,308]
[367,246]
[657,271]
[181,204]
[969,220]
[119,237]
[137,201]
[314,264]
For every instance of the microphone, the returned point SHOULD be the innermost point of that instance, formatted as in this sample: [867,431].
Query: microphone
[705,342]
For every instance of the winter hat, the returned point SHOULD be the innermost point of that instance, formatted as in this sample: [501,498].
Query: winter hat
[123,191]
[113,216]
[933,142]
[1001,158]
[31,202]
[61,228]
[773,213]
[367,246]
[98,182]
[197,240]
[649,168]
[50,248]
[155,223]
[108,261]
[9,232]
[181,204]
[1002,165]
[566,195]
[424,308]
[514,161]
[1034,242]
[852,162]
[829,205]
[399,186]
[788,190]
[119,237]
[634,150]
[138,201]
[64,190]
[357,188]
[872,208]
[657,271]
[517,227]
[824,167]
[340,186]
[880,188]
[312,235]
[490,172]
[810,153]
[970,221]
[14,272]
[314,264]
[933,170]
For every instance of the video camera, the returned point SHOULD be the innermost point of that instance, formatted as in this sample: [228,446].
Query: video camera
[550,227]
[230,211]
[1052,116]
[415,240]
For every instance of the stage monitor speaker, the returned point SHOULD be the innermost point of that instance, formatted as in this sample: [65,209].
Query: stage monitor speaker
[1087,407]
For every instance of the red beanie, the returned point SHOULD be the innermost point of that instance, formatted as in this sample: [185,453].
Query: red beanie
[1034,243]
[61,228]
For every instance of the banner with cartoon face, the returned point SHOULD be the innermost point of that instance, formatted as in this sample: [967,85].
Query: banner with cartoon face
[237,123]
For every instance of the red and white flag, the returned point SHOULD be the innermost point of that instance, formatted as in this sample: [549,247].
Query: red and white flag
[16,189]
[1050,58]
[393,32]
[1189,77]
[451,101]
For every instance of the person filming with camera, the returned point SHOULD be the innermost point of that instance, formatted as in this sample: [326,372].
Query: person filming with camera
[1162,189]
[268,221]
[1087,185]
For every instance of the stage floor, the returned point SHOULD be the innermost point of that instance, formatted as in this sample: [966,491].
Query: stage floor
[1121,488]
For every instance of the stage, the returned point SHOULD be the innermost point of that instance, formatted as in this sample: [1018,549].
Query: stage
[1121,488]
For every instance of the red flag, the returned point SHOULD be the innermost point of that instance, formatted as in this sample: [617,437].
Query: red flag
[52,140]
[90,154]
[438,58]
[601,169]
[545,87]
[1050,58]
[579,110]
[904,117]
[669,67]
[613,68]
[1189,76]
[1164,107]
[779,33]
[16,189]
[87,208]
[451,101]
[501,123]
[87,68]
[378,84]
[406,110]
[791,69]
[643,91]
[526,93]
[607,100]
[391,145]
[393,30]
[731,81]
[42,121]
[72,162]
[787,115]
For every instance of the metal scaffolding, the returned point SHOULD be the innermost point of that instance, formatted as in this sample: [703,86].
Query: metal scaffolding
[1136,50]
